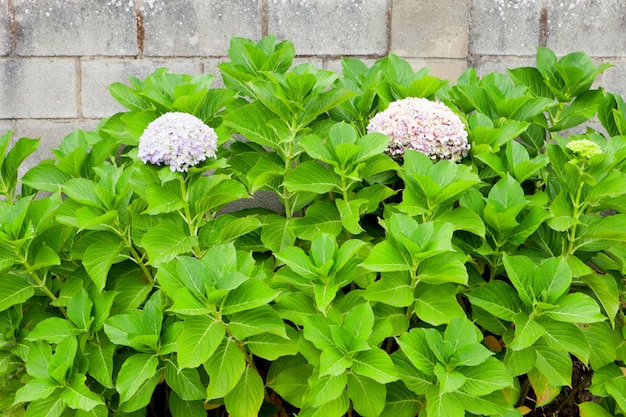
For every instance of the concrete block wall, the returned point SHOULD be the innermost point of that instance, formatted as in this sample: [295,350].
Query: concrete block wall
[57,57]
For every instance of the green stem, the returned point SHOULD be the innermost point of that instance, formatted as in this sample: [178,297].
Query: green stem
[497,258]
[41,284]
[193,230]
[286,195]
[577,206]
[135,256]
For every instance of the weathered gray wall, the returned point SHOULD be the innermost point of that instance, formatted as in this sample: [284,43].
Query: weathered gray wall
[57,57]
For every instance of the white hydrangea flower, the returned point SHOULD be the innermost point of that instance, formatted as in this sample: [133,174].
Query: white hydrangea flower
[179,140]
[422,125]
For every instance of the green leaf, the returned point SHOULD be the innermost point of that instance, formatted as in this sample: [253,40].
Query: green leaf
[313,177]
[320,217]
[53,330]
[552,279]
[443,268]
[14,158]
[333,362]
[437,304]
[36,389]
[568,337]
[374,364]
[617,389]
[485,378]
[77,396]
[184,382]
[45,177]
[165,241]
[367,395]
[449,380]
[100,357]
[527,331]
[63,359]
[246,398]
[271,347]
[443,404]
[592,409]
[400,401]
[601,338]
[251,294]
[576,308]
[142,397]
[350,213]
[198,340]
[288,376]
[277,233]
[607,292]
[183,408]
[392,288]
[164,198]
[519,362]
[225,368]
[359,321]
[14,290]
[497,298]
[334,408]
[262,319]
[554,365]
[386,257]
[324,295]
[317,330]
[48,407]
[493,404]
[134,373]
[79,310]
[83,191]
[323,389]
[520,270]
[415,347]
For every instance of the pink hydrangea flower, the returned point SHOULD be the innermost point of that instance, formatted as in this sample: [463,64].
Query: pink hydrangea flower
[422,125]
[179,140]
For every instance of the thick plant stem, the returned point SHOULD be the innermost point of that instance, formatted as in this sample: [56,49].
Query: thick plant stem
[193,230]
[575,214]
[41,284]
[134,255]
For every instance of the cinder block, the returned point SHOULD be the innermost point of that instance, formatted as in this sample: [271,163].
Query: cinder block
[98,74]
[486,65]
[76,27]
[38,88]
[430,28]
[198,27]
[331,27]
[596,27]
[5,33]
[614,79]
[505,27]
[51,132]
[5,126]
[334,64]
[446,69]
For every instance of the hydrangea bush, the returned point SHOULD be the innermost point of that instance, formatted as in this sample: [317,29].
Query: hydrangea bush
[434,250]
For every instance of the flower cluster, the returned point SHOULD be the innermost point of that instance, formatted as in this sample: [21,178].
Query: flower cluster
[179,140]
[584,148]
[422,125]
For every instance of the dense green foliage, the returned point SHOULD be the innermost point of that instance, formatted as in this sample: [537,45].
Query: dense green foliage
[383,288]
